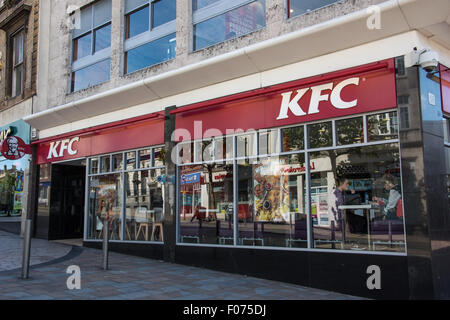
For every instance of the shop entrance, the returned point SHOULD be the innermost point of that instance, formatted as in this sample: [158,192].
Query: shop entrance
[67,200]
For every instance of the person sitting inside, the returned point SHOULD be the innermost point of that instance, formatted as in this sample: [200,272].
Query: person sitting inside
[390,204]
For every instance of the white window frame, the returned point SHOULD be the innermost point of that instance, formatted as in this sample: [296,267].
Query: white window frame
[213,10]
[148,36]
[95,56]
[20,64]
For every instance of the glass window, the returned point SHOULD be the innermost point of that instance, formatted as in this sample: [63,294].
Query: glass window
[150,53]
[368,177]
[105,164]
[105,200]
[350,131]
[91,75]
[93,35]
[117,160]
[159,155]
[185,152]
[272,209]
[130,160]
[145,159]
[204,150]
[320,135]
[93,166]
[82,46]
[17,66]
[268,142]
[293,138]
[446,125]
[137,22]
[163,11]
[198,4]
[297,7]
[103,38]
[144,213]
[383,126]
[246,145]
[206,204]
[224,148]
[234,23]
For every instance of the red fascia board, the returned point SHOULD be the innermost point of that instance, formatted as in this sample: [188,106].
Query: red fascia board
[104,127]
[284,86]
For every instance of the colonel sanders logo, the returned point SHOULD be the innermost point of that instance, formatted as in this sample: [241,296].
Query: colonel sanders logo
[14,148]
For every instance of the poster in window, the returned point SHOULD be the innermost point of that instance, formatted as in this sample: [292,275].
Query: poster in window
[271,192]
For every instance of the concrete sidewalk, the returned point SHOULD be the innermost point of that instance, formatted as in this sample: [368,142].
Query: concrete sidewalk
[139,278]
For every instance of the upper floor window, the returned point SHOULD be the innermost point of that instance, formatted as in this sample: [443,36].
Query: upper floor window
[150,27]
[298,7]
[217,20]
[91,46]
[17,71]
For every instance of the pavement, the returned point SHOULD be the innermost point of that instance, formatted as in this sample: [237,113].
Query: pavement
[130,277]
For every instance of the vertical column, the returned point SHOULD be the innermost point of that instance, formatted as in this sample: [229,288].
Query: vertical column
[117,27]
[183,31]
[170,207]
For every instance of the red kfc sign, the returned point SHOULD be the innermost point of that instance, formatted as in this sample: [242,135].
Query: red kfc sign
[352,91]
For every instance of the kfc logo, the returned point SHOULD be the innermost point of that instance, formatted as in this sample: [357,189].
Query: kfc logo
[317,95]
[57,148]
[14,148]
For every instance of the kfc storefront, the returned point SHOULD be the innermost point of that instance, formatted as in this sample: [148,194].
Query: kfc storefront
[114,170]
[313,181]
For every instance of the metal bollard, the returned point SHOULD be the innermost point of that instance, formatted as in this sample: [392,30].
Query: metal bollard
[26,250]
[105,243]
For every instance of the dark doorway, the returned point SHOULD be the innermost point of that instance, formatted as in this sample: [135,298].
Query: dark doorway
[67,200]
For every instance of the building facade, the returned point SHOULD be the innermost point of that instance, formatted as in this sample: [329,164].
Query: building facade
[301,141]
[18,70]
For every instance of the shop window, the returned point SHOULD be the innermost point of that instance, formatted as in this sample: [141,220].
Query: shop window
[93,166]
[382,126]
[105,200]
[320,135]
[350,131]
[272,209]
[218,21]
[293,138]
[246,145]
[298,7]
[185,152]
[359,176]
[91,46]
[268,142]
[159,156]
[17,71]
[145,158]
[130,160]
[204,150]
[132,197]
[144,213]
[149,32]
[206,204]
[224,147]
[446,125]
[105,164]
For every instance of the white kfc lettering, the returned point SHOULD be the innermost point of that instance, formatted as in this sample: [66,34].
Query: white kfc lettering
[317,96]
[52,152]
[57,148]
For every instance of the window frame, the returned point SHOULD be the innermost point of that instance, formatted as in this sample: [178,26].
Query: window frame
[152,34]
[214,10]
[95,56]
[13,66]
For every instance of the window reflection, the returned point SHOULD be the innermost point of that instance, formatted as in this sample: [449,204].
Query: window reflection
[234,23]
[198,4]
[150,53]
[293,138]
[82,47]
[137,22]
[297,7]
[368,180]
[103,38]
[320,135]
[383,126]
[90,76]
[206,204]
[163,11]
[350,131]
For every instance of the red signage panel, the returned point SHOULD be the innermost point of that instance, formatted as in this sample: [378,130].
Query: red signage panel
[95,142]
[445,89]
[352,91]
